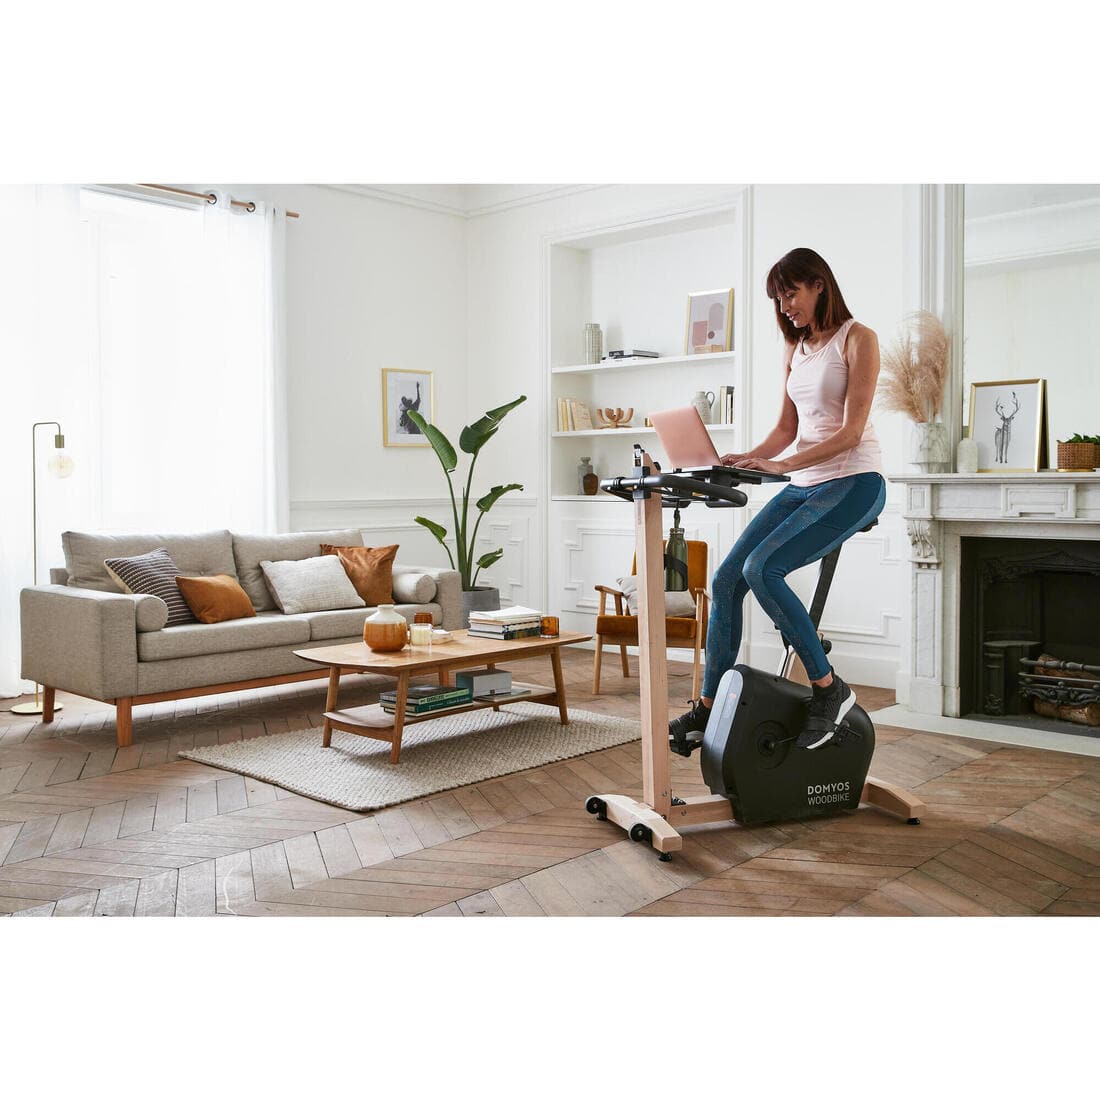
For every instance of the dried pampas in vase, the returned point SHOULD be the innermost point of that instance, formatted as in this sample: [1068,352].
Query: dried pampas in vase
[914,370]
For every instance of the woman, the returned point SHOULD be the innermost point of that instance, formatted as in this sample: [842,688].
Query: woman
[836,488]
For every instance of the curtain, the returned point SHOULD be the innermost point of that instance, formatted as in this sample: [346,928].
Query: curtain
[154,332]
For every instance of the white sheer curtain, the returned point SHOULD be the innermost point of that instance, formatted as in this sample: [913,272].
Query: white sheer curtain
[154,333]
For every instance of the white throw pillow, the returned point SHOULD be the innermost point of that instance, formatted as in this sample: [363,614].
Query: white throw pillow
[679,605]
[310,584]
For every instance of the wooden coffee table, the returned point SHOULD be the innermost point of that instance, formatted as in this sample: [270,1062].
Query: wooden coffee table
[461,652]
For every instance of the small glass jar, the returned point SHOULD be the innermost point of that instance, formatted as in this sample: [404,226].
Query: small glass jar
[420,634]
[424,617]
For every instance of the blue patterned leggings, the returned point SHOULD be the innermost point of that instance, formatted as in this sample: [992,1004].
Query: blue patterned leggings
[796,527]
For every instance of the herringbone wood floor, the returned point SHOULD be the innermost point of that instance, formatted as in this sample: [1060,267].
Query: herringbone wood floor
[90,830]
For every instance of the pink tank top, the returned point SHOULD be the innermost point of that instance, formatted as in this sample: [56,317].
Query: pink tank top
[818,385]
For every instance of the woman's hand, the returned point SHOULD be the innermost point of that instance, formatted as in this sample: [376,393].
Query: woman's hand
[733,460]
[766,465]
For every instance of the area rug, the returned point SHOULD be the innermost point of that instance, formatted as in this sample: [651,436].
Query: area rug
[355,773]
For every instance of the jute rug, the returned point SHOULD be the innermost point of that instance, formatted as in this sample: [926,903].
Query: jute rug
[355,773]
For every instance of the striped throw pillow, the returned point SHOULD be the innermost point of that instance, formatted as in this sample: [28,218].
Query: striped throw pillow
[153,574]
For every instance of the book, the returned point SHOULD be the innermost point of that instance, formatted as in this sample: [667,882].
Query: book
[508,635]
[634,353]
[422,691]
[513,614]
[500,628]
[582,418]
[425,706]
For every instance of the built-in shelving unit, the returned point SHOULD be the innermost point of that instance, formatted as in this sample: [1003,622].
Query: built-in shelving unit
[634,280]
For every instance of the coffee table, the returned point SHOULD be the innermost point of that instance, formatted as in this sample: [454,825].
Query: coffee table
[461,652]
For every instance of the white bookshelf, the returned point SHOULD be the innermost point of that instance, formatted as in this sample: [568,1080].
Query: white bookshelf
[633,279]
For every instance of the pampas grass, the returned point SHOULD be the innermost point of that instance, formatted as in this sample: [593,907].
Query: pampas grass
[914,368]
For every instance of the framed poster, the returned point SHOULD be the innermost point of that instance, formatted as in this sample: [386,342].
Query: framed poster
[403,390]
[1007,421]
[710,322]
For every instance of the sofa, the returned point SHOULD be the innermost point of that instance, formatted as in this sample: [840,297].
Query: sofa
[82,634]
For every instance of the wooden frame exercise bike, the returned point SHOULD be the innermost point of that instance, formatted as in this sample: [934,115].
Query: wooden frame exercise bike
[658,817]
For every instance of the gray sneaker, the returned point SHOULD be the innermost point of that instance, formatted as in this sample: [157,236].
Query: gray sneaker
[825,713]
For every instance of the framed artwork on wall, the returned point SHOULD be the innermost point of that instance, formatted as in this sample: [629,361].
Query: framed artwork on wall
[403,390]
[1008,422]
[709,322]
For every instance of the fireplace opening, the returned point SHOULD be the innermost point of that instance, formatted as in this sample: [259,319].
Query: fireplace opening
[1029,632]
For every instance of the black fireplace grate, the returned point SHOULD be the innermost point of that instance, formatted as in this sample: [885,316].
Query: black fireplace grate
[1064,691]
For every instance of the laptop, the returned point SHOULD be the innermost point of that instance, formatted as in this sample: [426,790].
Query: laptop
[685,439]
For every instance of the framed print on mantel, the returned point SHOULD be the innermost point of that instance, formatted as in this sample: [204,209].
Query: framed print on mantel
[710,322]
[403,390]
[1008,422]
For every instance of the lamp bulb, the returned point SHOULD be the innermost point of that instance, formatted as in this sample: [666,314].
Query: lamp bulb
[60,464]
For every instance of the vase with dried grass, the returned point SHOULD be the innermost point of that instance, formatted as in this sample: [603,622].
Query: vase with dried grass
[914,369]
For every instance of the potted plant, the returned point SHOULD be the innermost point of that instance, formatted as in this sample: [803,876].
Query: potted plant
[1079,452]
[473,438]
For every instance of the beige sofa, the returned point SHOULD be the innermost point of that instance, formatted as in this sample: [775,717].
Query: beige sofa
[82,635]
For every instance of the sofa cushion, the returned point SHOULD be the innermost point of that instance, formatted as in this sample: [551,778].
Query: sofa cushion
[150,612]
[201,639]
[215,599]
[250,550]
[369,568]
[204,554]
[312,584]
[413,588]
[324,625]
[680,605]
[152,574]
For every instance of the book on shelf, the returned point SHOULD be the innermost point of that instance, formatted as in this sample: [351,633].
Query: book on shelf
[634,353]
[513,614]
[425,706]
[423,693]
[508,634]
[582,418]
[723,405]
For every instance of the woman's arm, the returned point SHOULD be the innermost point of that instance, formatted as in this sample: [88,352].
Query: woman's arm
[784,432]
[861,353]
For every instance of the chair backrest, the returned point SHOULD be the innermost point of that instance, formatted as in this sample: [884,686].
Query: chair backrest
[697,563]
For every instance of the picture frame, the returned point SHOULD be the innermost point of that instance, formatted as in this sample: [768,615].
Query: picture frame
[403,390]
[709,321]
[1008,422]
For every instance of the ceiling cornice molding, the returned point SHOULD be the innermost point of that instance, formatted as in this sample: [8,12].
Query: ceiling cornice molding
[471,209]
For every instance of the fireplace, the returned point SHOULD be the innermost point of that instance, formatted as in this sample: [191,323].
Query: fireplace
[1022,601]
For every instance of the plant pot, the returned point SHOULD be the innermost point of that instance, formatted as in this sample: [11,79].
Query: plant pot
[482,598]
[929,449]
[1076,456]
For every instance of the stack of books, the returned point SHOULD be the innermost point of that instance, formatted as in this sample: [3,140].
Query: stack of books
[573,415]
[506,624]
[423,698]
[633,353]
[723,406]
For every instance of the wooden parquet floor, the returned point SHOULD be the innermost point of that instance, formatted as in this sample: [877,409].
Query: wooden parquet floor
[87,829]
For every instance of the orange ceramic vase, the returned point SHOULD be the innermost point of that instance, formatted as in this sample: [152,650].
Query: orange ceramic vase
[386,631]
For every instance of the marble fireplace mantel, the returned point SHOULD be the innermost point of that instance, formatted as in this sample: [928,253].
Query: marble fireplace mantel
[942,509]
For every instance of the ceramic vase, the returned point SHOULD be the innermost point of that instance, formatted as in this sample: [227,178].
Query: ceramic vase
[966,456]
[593,343]
[929,450]
[704,402]
[385,631]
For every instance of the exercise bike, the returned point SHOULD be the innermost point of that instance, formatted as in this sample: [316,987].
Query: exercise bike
[748,760]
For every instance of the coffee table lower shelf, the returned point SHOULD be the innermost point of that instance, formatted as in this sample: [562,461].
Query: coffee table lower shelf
[372,721]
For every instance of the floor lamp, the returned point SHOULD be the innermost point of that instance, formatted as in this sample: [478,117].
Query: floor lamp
[60,465]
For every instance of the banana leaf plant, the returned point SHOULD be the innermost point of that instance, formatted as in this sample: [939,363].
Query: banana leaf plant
[473,438]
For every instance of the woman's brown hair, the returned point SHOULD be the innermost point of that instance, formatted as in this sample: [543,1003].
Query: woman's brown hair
[803,266]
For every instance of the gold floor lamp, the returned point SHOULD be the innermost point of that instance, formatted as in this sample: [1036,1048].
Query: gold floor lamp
[60,465]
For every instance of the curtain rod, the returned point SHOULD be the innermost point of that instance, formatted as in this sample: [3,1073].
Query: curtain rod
[210,197]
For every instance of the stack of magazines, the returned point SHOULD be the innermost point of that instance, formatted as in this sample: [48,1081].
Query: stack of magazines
[423,698]
[506,624]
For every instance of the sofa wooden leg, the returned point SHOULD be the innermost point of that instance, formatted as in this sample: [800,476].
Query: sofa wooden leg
[47,703]
[597,664]
[124,722]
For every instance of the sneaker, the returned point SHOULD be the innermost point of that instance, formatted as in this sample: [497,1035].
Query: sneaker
[825,713]
[686,732]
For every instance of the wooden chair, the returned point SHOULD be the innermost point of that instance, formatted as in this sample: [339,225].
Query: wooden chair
[621,629]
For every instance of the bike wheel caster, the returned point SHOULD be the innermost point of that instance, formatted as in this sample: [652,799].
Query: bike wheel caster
[665,857]
[913,821]
[641,833]
[598,807]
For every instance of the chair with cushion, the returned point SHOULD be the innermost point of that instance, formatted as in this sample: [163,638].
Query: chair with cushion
[685,621]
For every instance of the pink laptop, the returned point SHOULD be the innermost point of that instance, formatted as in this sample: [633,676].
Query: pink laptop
[685,438]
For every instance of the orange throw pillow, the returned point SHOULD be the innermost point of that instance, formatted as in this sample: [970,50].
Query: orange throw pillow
[369,568]
[216,599]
